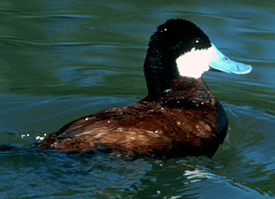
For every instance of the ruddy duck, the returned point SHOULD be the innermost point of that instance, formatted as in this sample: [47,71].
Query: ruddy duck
[179,117]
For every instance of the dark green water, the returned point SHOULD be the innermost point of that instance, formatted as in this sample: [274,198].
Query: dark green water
[60,60]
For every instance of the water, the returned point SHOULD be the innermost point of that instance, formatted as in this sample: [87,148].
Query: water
[60,61]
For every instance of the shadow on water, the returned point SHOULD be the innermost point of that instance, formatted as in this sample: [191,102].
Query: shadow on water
[100,175]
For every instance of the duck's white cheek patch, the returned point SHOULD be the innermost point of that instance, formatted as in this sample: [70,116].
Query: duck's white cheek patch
[195,62]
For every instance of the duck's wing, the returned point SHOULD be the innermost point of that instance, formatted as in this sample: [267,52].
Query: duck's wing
[141,129]
[130,128]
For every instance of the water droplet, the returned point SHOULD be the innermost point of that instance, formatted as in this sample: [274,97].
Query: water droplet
[167,90]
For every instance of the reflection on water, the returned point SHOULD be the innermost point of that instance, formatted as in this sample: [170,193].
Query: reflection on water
[60,61]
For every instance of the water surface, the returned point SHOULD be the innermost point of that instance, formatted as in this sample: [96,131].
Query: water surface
[60,61]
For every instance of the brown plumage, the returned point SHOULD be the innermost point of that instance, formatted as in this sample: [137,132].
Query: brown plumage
[169,126]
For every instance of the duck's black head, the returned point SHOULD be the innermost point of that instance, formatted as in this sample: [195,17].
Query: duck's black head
[180,48]
[172,39]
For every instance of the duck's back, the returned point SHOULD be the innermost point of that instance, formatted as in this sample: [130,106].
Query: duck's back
[146,128]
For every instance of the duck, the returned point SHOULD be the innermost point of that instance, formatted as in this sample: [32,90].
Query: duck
[179,117]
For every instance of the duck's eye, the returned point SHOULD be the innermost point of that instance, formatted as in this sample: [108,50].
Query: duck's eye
[164,30]
[197,41]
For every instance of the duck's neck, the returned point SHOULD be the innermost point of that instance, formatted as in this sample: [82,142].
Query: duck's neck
[189,89]
[160,70]
[185,90]
[163,79]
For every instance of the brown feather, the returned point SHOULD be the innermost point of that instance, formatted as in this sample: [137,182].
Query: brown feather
[170,126]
